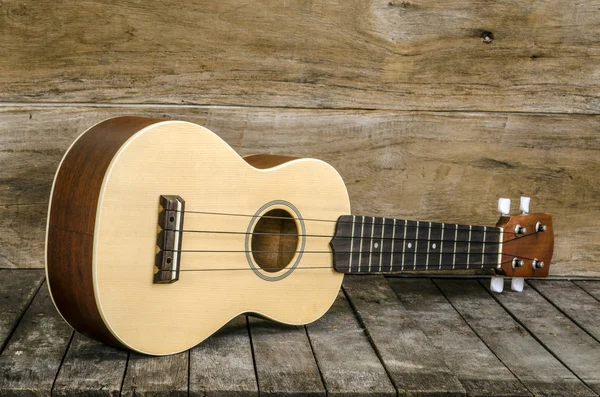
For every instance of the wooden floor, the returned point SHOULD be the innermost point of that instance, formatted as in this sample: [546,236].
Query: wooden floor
[384,337]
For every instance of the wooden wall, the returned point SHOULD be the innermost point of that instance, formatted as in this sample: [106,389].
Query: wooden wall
[420,115]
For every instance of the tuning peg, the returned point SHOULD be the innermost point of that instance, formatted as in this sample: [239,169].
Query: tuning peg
[497,284]
[504,206]
[524,207]
[517,283]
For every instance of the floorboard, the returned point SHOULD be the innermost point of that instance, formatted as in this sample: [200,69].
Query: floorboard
[411,360]
[348,363]
[222,365]
[554,330]
[535,367]
[476,366]
[285,364]
[382,337]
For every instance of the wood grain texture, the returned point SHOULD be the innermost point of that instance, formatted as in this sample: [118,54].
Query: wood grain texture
[376,54]
[30,361]
[349,365]
[17,289]
[285,364]
[223,366]
[447,167]
[90,368]
[156,376]
[476,367]
[574,301]
[413,363]
[557,333]
[529,361]
[591,287]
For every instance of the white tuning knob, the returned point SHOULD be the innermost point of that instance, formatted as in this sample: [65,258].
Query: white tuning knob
[504,206]
[517,284]
[497,284]
[524,207]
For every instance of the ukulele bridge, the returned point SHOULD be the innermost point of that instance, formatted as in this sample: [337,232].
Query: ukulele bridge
[170,223]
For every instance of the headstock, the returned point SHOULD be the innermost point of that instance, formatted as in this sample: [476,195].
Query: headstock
[527,245]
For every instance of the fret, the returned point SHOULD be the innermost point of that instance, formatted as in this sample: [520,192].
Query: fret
[387,247]
[381,245]
[469,246]
[352,243]
[360,241]
[365,244]
[448,246]
[403,243]
[483,247]
[408,244]
[454,252]
[441,246]
[371,244]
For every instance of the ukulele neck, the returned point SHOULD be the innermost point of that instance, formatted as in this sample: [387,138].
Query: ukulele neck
[364,244]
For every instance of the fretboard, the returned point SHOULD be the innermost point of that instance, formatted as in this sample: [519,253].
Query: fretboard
[364,244]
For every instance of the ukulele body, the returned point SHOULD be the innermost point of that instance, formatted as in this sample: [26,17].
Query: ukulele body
[103,226]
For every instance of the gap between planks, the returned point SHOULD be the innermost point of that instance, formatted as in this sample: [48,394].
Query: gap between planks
[258,107]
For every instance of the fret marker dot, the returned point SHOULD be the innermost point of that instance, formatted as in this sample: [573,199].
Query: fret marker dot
[409,245]
[376,245]
[433,246]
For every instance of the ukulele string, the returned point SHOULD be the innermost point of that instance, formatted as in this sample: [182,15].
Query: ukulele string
[350,237]
[408,268]
[332,221]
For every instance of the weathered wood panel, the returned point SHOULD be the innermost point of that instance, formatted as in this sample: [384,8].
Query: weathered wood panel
[222,365]
[30,361]
[414,364]
[285,363]
[539,371]
[17,289]
[591,287]
[149,376]
[557,333]
[348,363]
[574,301]
[90,369]
[418,54]
[477,368]
[448,167]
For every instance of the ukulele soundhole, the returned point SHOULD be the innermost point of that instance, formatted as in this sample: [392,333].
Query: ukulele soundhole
[274,240]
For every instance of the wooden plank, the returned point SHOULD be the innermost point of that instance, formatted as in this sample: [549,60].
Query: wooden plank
[569,343]
[575,302]
[413,363]
[17,289]
[535,367]
[348,363]
[285,365]
[222,365]
[154,376]
[377,54]
[30,361]
[591,287]
[475,366]
[91,369]
[447,167]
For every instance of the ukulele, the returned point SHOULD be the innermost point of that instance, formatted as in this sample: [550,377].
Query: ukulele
[159,233]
